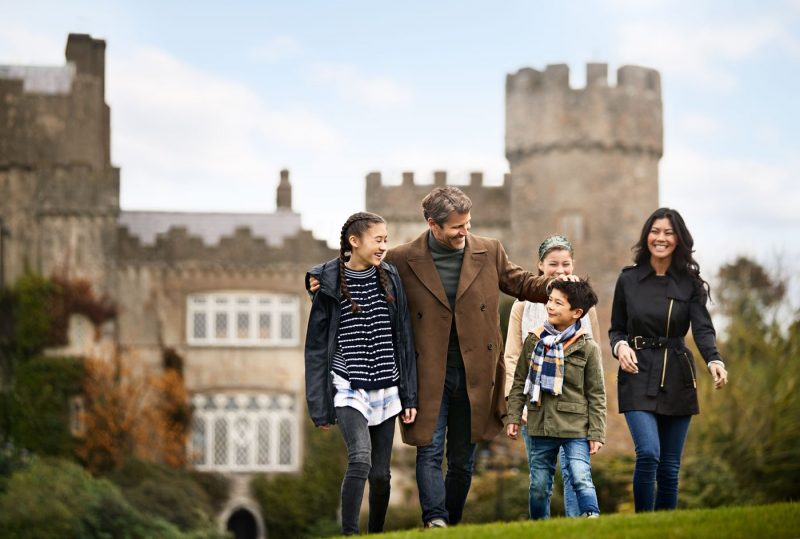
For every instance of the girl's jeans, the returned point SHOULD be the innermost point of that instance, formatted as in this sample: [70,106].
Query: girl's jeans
[369,453]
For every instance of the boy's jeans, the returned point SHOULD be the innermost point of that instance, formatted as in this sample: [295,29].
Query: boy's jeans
[445,497]
[369,453]
[542,463]
[571,508]
[659,443]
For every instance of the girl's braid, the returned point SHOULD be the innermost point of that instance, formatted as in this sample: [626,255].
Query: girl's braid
[344,247]
[384,280]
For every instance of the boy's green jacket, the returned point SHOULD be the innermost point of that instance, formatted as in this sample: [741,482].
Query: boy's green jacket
[580,410]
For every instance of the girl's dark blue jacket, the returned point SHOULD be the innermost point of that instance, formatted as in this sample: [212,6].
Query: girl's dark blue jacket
[323,325]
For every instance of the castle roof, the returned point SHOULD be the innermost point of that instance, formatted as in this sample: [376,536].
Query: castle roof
[41,79]
[211,227]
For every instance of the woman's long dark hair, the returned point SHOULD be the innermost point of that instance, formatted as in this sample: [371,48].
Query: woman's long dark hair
[682,259]
[356,225]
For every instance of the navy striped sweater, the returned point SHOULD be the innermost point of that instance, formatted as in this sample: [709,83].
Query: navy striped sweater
[365,352]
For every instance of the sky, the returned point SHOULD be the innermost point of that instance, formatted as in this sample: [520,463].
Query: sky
[210,100]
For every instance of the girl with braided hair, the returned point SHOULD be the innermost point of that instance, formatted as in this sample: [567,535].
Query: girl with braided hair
[360,362]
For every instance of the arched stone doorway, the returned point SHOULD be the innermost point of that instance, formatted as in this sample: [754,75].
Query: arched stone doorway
[242,523]
[241,516]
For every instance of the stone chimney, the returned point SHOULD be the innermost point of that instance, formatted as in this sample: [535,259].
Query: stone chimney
[284,197]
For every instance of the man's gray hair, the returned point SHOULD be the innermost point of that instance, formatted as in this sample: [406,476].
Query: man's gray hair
[442,201]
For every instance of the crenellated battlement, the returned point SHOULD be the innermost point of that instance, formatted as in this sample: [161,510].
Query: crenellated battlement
[402,203]
[544,114]
[241,248]
[556,77]
[375,179]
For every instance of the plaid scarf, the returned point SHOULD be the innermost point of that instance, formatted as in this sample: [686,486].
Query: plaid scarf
[546,364]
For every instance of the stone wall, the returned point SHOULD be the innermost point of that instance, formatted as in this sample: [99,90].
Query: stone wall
[401,205]
[59,193]
[44,126]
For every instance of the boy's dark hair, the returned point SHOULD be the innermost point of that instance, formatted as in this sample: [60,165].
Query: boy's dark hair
[579,293]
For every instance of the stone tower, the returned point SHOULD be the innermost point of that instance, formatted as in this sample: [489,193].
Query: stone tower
[584,163]
[59,193]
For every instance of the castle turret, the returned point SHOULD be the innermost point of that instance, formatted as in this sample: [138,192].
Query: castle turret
[61,192]
[284,194]
[584,163]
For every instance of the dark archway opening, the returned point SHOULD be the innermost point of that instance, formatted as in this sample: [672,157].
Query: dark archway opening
[243,524]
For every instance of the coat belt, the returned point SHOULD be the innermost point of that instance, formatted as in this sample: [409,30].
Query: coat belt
[639,342]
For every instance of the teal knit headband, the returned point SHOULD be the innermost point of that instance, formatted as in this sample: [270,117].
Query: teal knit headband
[554,242]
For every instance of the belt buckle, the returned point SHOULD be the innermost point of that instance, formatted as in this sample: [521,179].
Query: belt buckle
[636,342]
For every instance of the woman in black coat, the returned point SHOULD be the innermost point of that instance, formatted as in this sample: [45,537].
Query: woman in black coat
[655,302]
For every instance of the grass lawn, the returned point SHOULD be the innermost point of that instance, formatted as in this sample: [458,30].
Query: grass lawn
[752,522]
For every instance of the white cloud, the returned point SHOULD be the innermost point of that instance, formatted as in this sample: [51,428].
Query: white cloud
[638,4]
[277,49]
[766,135]
[682,50]
[699,124]
[353,84]
[733,205]
[21,46]
[177,129]
[731,188]
[458,164]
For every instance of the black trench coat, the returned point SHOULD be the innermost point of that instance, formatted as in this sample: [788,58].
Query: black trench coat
[643,302]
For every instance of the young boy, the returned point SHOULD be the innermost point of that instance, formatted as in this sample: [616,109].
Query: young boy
[560,378]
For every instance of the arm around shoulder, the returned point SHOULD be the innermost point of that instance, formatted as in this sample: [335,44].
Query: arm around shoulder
[518,282]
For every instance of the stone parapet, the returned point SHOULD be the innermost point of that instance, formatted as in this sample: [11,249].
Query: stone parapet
[543,114]
[403,203]
[242,249]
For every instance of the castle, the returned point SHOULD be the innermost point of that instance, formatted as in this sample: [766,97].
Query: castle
[225,290]
[583,162]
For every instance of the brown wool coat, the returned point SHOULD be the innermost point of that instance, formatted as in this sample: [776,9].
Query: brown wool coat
[485,272]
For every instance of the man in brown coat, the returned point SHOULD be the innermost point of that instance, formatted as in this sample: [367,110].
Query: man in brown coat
[453,281]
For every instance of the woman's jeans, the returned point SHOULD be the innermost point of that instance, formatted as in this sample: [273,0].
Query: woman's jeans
[659,443]
[445,497]
[542,455]
[369,453]
[571,508]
